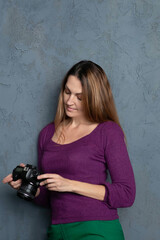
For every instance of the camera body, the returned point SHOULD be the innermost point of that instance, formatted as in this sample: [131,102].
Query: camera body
[30,183]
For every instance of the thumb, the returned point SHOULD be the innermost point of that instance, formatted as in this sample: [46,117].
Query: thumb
[22,164]
[7,179]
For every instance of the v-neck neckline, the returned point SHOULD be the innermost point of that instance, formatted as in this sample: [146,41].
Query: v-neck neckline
[76,141]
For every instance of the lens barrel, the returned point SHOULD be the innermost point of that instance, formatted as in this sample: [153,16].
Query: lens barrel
[27,191]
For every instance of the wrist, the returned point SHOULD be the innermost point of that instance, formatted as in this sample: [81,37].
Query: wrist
[72,184]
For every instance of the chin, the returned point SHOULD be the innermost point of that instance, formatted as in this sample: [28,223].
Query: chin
[71,114]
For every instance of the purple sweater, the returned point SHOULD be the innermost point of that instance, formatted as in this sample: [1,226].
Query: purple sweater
[87,160]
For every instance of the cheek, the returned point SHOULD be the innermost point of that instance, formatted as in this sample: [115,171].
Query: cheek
[65,97]
[80,106]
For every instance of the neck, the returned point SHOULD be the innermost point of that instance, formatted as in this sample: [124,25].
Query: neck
[74,122]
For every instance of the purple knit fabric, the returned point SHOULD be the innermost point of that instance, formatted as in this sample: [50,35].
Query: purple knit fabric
[87,159]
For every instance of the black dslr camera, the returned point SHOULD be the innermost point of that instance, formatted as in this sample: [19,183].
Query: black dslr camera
[30,183]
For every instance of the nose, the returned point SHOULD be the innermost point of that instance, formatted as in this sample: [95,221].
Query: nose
[70,100]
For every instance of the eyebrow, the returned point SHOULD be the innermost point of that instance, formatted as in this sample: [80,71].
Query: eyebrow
[70,90]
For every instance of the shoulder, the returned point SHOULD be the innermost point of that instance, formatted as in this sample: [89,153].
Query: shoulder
[112,132]
[111,127]
[46,128]
[44,131]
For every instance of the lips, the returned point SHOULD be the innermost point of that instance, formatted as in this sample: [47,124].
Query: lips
[70,109]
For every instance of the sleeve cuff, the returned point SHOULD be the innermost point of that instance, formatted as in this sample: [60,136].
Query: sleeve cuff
[106,192]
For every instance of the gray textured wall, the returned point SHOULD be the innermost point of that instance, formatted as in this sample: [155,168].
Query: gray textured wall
[39,41]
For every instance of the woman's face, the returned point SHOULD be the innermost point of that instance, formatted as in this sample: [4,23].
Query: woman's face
[73,97]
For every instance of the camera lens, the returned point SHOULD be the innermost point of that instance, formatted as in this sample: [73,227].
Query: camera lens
[27,191]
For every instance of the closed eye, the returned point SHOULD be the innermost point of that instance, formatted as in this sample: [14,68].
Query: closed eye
[79,97]
[68,92]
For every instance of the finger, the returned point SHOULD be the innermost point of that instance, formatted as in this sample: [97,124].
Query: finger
[47,175]
[8,178]
[19,181]
[52,188]
[51,185]
[47,181]
[15,184]
[22,165]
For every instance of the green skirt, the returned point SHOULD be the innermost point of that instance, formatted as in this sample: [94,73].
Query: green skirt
[87,230]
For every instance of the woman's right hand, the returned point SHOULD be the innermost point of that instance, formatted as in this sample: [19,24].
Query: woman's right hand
[9,179]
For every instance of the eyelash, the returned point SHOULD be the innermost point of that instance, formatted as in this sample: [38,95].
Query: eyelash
[69,93]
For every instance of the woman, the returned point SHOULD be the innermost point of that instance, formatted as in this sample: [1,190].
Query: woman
[75,152]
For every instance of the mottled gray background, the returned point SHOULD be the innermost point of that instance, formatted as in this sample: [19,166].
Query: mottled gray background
[39,41]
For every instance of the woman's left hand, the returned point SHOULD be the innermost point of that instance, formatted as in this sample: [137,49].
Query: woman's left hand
[54,182]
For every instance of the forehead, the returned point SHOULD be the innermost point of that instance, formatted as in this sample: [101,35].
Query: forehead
[74,84]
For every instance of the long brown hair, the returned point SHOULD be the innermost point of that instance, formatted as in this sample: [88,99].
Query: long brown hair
[97,98]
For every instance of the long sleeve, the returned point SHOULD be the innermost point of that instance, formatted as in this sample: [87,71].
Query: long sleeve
[43,197]
[121,192]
